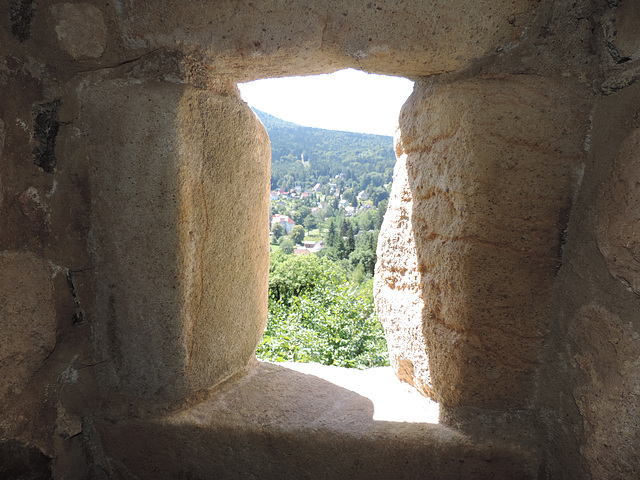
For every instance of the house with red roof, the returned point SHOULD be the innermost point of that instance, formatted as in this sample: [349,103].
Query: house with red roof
[283,220]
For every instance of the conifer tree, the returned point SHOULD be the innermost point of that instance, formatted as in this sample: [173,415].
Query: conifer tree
[331,234]
[350,242]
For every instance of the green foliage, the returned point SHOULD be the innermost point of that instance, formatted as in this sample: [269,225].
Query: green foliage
[358,276]
[349,195]
[365,257]
[296,275]
[316,315]
[349,241]
[297,234]
[286,245]
[301,213]
[278,231]
[310,222]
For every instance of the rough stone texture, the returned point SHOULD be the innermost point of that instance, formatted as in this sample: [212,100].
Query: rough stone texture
[493,165]
[397,287]
[1,149]
[109,109]
[22,461]
[179,234]
[27,319]
[80,29]
[255,39]
[592,309]
[292,425]
[622,35]
[618,230]
[607,352]
[597,305]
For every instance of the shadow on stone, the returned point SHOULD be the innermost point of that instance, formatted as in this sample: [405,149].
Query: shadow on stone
[23,462]
[279,423]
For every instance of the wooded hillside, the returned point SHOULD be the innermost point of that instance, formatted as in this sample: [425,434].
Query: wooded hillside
[305,156]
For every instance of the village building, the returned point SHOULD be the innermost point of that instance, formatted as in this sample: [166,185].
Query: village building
[283,220]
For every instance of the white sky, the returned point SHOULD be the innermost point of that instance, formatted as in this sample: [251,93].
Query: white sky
[348,100]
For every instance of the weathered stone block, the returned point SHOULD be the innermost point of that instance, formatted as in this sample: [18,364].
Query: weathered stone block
[179,234]
[617,230]
[27,319]
[606,351]
[397,287]
[270,38]
[493,165]
[80,29]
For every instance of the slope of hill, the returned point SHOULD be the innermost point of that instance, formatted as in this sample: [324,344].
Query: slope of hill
[305,156]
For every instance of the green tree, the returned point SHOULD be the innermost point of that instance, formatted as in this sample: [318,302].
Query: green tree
[291,276]
[378,195]
[349,195]
[382,209]
[365,257]
[310,222]
[331,234]
[277,231]
[341,251]
[350,241]
[286,245]
[316,315]
[343,227]
[297,234]
[358,275]
[304,210]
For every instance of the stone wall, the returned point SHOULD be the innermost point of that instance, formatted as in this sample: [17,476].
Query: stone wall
[133,227]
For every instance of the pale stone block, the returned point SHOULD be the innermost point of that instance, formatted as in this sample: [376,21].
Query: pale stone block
[267,38]
[179,235]
[397,287]
[493,165]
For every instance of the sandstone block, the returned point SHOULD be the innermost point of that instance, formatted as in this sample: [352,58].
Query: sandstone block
[397,287]
[80,29]
[32,207]
[1,151]
[622,35]
[606,351]
[492,166]
[617,229]
[179,235]
[27,319]
[279,423]
[271,38]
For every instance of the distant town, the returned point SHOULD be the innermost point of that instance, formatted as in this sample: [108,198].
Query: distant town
[329,220]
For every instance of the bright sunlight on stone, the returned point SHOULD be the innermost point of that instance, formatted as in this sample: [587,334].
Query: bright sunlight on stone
[393,400]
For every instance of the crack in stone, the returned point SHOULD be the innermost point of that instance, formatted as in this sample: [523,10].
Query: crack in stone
[79,315]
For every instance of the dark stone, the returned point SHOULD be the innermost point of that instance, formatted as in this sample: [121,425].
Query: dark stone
[22,462]
[45,131]
[21,15]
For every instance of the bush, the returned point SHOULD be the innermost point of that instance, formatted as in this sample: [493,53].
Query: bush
[316,315]
[292,276]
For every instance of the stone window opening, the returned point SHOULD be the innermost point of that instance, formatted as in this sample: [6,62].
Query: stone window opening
[394,395]
[503,241]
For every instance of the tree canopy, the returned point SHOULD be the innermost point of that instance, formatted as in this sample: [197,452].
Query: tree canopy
[317,315]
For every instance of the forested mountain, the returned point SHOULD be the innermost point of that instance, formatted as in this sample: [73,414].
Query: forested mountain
[305,156]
